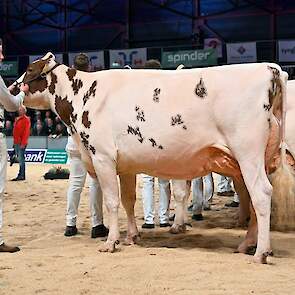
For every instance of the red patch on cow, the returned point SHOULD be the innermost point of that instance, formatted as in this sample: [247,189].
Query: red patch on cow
[77,84]
[39,84]
[85,120]
[64,109]
[53,82]
[71,73]
[90,92]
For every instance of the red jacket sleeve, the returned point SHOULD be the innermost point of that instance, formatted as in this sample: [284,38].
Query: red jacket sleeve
[26,133]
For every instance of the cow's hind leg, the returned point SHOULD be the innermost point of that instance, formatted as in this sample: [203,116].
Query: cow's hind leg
[128,197]
[260,191]
[107,176]
[181,191]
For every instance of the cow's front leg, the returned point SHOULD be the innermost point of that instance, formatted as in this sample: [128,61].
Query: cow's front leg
[128,197]
[181,189]
[106,173]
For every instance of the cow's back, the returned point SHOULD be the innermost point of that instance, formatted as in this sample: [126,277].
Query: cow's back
[161,119]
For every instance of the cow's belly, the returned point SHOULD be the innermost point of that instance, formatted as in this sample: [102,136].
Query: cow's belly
[200,163]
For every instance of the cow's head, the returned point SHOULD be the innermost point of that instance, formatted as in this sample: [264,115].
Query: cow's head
[36,77]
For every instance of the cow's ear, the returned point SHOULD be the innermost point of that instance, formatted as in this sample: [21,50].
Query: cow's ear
[48,57]
[50,62]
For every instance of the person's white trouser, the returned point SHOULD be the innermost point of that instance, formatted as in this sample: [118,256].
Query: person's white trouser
[148,199]
[224,184]
[76,183]
[236,198]
[202,196]
[3,167]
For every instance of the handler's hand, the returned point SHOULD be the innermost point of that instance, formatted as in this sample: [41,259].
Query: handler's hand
[11,87]
[24,88]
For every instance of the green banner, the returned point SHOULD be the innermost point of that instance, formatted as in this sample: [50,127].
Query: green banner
[9,68]
[56,157]
[189,58]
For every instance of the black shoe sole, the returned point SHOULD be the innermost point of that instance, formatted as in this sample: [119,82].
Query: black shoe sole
[148,226]
[70,231]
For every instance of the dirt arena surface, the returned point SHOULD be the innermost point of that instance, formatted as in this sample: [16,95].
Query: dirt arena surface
[198,262]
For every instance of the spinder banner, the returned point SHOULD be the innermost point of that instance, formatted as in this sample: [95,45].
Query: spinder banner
[241,52]
[135,57]
[287,50]
[96,59]
[189,58]
[58,57]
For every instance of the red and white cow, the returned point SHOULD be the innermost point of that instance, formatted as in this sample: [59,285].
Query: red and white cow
[171,124]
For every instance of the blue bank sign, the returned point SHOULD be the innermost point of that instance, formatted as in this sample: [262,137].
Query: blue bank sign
[39,156]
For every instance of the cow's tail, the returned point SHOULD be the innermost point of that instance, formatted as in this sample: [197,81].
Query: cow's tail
[283,179]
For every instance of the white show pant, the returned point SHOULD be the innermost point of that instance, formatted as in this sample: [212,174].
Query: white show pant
[76,183]
[3,167]
[224,184]
[148,199]
[201,195]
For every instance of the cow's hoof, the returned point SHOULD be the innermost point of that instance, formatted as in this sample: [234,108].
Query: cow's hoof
[177,229]
[247,247]
[109,246]
[249,250]
[131,240]
[261,259]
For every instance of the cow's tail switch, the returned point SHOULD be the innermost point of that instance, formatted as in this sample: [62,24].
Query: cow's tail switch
[283,179]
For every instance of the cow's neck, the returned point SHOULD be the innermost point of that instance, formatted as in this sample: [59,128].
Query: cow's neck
[67,94]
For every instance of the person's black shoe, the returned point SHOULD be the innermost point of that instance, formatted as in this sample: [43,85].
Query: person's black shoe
[148,225]
[71,231]
[226,193]
[8,249]
[197,217]
[99,231]
[18,179]
[233,204]
[165,224]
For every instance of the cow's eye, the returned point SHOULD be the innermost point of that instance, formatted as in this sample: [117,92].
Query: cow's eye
[30,70]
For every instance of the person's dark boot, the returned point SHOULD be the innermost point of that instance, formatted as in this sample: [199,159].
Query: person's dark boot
[99,231]
[197,217]
[18,179]
[71,231]
[8,249]
[232,204]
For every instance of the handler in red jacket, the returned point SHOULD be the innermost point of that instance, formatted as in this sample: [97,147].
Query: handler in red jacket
[21,133]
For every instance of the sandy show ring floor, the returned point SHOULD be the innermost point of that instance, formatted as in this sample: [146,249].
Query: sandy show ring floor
[200,261]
